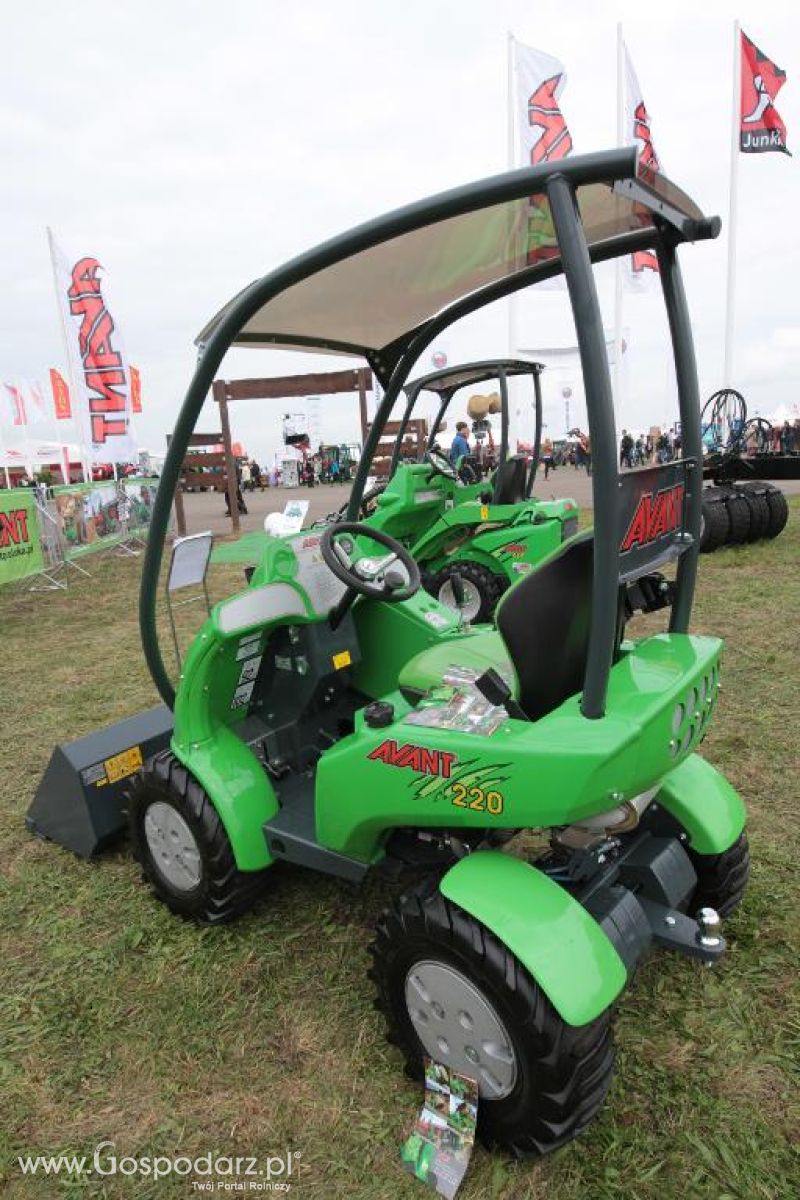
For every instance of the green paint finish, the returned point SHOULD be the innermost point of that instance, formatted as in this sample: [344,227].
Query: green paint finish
[704,803]
[478,650]
[554,938]
[391,634]
[553,771]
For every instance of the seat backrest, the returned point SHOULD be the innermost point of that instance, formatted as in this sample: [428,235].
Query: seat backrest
[509,481]
[544,621]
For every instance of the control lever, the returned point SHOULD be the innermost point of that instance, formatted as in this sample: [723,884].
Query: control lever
[494,688]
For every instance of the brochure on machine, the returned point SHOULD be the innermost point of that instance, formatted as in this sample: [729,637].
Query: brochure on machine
[438,1150]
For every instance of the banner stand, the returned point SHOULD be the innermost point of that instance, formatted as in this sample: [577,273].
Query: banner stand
[54,576]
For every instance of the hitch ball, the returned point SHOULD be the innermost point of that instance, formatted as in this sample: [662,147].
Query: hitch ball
[709,921]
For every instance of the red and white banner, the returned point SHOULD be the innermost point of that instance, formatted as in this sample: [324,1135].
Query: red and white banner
[99,365]
[136,390]
[541,79]
[36,407]
[643,265]
[62,406]
[761,128]
[14,406]
[543,137]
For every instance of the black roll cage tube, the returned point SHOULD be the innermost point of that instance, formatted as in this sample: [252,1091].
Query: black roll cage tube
[393,363]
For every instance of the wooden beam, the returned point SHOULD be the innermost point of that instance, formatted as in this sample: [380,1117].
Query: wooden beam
[322,383]
[220,395]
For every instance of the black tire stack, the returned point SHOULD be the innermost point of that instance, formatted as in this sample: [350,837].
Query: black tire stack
[736,513]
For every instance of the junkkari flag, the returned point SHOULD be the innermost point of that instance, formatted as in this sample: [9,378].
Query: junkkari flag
[99,364]
[761,128]
[543,137]
[136,390]
[15,404]
[643,263]
[36,407]
[61,398]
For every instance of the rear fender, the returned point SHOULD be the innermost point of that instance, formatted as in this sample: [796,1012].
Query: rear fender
[554,938]
[703,802]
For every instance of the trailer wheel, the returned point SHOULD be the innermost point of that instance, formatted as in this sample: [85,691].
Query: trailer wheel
[739,514]
[756,499]
[778,511]
[715,524]
[721,878]
[181,844]
[451,991]
[482,589]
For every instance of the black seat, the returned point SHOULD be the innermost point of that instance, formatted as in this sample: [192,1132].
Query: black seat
[544,621]
[509,480]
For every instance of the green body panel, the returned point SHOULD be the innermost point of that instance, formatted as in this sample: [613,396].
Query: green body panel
[479,649]
[391,634]
[551,934]
[704,803]
[206,715]
[553,771]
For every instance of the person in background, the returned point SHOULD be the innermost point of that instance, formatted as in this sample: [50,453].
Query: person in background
[246,476]
[625,450]
[460,446]
[255,473]
[547,457]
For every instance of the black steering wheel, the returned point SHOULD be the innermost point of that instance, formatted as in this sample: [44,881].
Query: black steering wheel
[375,577]
[440,464]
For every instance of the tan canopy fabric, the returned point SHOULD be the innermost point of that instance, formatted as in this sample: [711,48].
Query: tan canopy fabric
[372,297]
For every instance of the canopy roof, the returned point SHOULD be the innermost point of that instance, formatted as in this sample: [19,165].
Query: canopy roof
[373,287]
[450,379]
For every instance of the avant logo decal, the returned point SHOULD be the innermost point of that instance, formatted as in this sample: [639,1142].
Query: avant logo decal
[655,516]
[418,758]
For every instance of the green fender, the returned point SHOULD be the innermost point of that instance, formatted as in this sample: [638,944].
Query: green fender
[704,803]
[554,938]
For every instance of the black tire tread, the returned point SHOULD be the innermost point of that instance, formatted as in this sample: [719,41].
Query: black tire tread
[572,1066]
[739,514]
[227,892]
[778,512]
[722,878]
[759,510]
[490,585]
[717,522]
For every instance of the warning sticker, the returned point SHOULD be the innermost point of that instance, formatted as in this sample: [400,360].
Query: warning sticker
[250,669]
[124,764]
[248,646]
[241,696]
[342,659]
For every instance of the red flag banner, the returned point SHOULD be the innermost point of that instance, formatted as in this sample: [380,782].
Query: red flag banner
[136,390]
[643,263]
[61,397]
[761,128]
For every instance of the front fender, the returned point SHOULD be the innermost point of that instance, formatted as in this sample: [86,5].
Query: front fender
[554,938]
[704,803]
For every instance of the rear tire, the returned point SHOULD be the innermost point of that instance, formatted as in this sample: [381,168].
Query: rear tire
[546,1079]
[739,514]
[756,498]
[181,844]
[721,878]
[716,524]
[778,512]
[482,589]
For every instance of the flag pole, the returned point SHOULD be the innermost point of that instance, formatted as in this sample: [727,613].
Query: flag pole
[618,314]
[733,206]
[70,367]
[511,163]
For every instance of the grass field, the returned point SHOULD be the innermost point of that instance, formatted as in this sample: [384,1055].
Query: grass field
[119,1022]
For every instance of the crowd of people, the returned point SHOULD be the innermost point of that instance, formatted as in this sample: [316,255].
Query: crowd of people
[645,449]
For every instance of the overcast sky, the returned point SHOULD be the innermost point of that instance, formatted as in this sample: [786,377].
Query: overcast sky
[194,146]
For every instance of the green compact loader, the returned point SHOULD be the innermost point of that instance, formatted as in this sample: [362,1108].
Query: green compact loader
[474,526]
[332,715]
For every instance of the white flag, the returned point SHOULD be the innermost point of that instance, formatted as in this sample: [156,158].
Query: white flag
[643,265]
[100,366]
[543,137]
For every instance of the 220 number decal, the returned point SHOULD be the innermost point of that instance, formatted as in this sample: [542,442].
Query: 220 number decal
[477,799]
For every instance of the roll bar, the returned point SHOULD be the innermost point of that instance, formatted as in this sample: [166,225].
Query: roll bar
[393,363]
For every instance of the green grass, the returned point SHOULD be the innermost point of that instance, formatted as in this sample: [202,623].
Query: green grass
[118,1021]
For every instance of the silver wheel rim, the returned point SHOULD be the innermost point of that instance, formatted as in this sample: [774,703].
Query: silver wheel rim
[173,847]
[472,599]
[460,1028]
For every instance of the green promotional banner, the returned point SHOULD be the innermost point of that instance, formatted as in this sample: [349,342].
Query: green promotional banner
[94,516]
[20,544]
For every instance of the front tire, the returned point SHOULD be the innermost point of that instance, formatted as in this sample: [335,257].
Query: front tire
[482,590]
[182,847]
[442,978]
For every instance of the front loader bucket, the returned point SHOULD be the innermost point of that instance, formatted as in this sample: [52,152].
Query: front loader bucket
[79,801]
